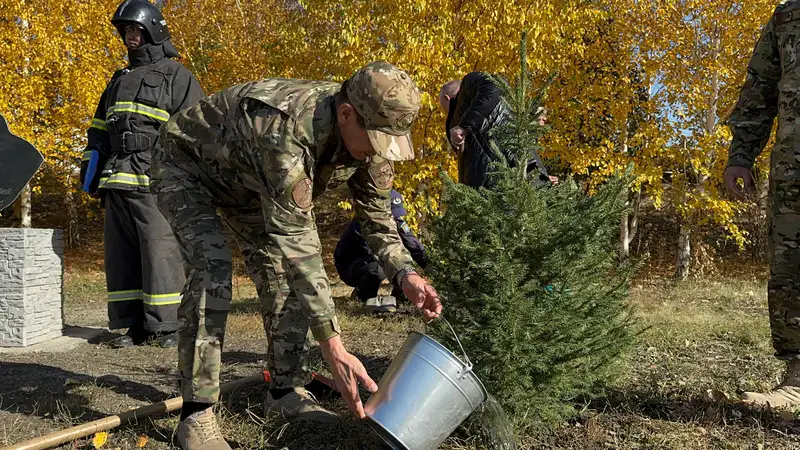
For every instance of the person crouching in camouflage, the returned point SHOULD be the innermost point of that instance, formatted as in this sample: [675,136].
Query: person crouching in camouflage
[770,90]
[259,153]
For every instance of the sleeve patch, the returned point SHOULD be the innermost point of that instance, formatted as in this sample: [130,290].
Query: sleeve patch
[382,175]
[302,193]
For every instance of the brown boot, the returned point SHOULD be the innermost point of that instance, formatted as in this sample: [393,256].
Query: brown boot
[785,396]
[300,404]
[200,431]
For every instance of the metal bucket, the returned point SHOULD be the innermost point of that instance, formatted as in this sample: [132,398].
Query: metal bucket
[424,395]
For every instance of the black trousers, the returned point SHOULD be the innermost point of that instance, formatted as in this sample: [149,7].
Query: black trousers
[366,275]
[144,269]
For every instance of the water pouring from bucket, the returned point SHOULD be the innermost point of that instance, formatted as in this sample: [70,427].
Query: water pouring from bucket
[425,394]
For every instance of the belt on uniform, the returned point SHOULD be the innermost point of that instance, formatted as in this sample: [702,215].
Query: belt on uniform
[129,142]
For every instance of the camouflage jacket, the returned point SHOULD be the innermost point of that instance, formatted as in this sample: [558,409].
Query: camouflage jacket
[279,137]
[772,88]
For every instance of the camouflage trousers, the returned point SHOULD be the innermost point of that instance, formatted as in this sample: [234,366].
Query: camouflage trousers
[784,280]
[196,200]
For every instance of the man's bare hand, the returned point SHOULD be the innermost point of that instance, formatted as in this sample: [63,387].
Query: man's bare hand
[422,295]
[732,176]
[553,179]
[347,372]
[457,137]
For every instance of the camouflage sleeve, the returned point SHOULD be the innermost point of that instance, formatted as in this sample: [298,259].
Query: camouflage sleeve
[291,226]
[752,117]
[370,188]
[411,243]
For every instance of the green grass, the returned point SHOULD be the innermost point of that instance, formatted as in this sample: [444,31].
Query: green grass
[706,342]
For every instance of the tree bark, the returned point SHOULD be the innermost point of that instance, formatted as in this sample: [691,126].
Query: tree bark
[684,253]
[25,207]
[629,225]
[73,228]
[624,240]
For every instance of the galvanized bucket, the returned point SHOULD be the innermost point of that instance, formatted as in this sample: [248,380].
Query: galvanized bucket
[424,395]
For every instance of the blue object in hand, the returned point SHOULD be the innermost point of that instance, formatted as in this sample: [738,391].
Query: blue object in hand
[90,171]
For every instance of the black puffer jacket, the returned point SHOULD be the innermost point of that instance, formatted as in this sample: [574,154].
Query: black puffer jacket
[477,109]
[137,101]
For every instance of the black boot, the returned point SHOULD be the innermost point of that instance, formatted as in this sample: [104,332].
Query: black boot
[165,340]
[135,335]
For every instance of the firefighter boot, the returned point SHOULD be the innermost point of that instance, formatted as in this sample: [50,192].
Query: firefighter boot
[165,340]
[300,404]
[200,431]
[785,396]
[136,335]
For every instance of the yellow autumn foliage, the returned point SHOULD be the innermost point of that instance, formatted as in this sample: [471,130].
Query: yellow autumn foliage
[55,59]
[699,51]
[634,87]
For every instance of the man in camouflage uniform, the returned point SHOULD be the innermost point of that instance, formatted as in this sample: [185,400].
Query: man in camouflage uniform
[770,90]
[256,155]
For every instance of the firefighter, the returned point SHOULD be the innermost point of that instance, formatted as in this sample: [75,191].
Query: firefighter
[144,270]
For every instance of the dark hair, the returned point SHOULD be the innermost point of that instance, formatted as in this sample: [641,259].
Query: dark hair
[344,98]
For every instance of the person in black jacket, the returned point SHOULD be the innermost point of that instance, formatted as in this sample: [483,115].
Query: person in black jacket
[359,268]
[144,270]
[473,108]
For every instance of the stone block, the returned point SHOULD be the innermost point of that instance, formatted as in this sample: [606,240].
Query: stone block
[31,276]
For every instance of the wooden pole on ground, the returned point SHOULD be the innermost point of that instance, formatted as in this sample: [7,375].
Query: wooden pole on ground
[132,416]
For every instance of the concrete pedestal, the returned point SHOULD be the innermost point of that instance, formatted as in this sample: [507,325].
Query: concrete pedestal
[31,286]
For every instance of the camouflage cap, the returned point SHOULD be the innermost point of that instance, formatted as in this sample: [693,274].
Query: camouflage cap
[389,101]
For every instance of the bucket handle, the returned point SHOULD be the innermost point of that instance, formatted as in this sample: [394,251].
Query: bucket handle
[468,366]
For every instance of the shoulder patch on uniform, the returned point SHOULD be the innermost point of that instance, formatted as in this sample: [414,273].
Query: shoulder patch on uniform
[405,227]
[787,11]
[382,174]
[301,193]
[786,17]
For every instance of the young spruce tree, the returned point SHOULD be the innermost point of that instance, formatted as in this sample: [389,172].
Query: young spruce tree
[530,277]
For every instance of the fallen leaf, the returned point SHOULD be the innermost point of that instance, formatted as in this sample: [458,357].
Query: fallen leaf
[99,439]
[141,442]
